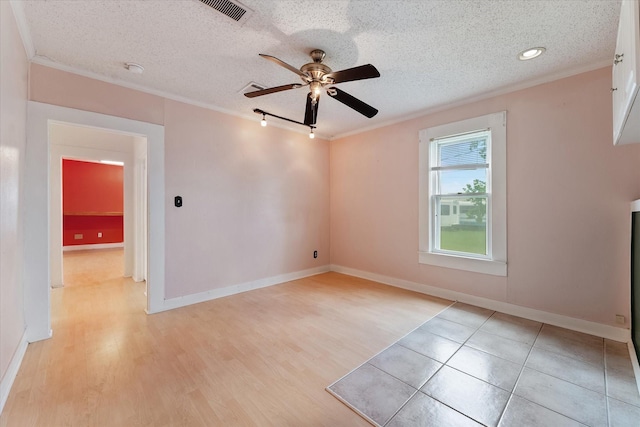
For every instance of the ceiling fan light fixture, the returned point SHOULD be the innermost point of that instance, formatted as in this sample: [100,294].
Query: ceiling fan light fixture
[531,53]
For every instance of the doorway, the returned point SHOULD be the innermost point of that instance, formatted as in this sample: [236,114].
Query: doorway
[92,222]
[43,223]
[70,141]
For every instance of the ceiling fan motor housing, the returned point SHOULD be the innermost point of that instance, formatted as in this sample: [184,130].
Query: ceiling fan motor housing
[316,75]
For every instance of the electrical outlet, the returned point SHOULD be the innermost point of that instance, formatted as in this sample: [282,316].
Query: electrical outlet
[620,319]
[78,236]
[315,254]
[99,234]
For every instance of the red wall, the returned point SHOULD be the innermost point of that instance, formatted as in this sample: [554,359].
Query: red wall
[92,202]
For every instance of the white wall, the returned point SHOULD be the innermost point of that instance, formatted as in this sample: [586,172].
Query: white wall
[13,117]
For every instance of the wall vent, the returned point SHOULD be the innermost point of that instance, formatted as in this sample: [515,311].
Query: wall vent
[233,9]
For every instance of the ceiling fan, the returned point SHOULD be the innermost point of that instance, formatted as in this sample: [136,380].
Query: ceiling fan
[317,76]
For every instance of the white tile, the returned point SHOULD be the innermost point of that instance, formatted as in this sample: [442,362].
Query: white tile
[617,357]
[430,345]
[466,314]
[407,365]
[372,392]
[523,413]
[484,366]
[447,329]
[573,401]
[423,410]
[512,327]
[587,348]
[622,386]
[514,351]
[475,398]
[568,369]
[622,414]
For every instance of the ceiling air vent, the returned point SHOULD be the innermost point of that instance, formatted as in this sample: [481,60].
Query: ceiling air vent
[233,9]
[252,86]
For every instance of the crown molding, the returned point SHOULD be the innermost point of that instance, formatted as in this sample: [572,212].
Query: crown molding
[486,95]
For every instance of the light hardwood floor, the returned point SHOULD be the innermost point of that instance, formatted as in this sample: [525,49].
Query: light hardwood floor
[260,358]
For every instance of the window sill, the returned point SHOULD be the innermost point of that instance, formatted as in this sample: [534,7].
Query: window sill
[485,266]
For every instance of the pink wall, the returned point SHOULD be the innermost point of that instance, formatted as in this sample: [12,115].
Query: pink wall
[568,200]
[262,195]
[256,200]
[57,87]
[13,119]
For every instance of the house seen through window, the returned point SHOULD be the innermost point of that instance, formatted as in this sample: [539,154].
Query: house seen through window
[459,178]
[462,203]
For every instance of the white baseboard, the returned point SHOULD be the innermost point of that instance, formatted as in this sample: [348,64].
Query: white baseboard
[170,304]
[12,371]
[95,246]
[586,326]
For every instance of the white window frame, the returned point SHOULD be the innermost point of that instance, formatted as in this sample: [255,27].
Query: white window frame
[495,262]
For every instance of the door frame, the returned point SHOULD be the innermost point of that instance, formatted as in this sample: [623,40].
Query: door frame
[37,195]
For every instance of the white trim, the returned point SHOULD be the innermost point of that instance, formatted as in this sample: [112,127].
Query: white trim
[170,304]
[12,370]
[477,265]
[95,246]
[491,94]
[496,203]
[37,277]
[634,362]
[580,325]
[41,60]
[23,28]
[635,207]
[27,41]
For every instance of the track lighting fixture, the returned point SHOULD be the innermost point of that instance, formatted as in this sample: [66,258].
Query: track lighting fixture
[263,122]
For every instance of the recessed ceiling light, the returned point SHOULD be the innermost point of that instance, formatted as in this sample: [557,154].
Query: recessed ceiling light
[534,52]
[134,68]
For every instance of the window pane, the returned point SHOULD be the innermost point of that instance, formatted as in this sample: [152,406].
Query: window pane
[473,149]
[465,231]
[462,181]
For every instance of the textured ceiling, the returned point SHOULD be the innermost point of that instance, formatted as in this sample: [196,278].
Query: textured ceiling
[429,53]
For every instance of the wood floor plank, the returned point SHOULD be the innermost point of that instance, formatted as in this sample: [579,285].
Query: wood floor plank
[260,358]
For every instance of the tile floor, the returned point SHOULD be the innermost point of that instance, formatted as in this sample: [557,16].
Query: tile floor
[470,366]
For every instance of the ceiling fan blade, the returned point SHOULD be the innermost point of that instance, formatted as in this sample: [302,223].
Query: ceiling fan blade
[272,90]
[357,73]
[285,65]
[351,101]
[311,112]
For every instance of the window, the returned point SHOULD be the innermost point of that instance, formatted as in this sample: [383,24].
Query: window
[463,195]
